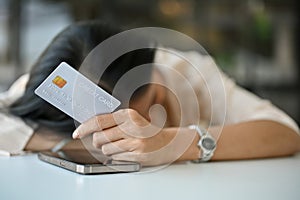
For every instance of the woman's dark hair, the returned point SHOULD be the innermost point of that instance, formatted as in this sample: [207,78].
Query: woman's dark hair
[73,45]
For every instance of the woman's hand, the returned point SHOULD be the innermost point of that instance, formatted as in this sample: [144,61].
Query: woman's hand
[126,135]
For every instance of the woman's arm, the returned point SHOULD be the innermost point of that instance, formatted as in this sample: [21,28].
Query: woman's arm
[253,139]
[126,135]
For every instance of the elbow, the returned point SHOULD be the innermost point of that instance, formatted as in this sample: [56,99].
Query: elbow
[293,141]
[296,144]
[283,138]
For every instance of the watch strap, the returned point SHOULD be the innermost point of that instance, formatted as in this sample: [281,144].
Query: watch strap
[206,154]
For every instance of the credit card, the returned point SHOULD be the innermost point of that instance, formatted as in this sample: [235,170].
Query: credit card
[74,94]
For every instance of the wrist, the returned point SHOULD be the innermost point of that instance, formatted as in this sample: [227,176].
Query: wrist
[207,144]
[193,152]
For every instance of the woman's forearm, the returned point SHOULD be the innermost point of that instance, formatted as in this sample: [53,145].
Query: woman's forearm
[249,140]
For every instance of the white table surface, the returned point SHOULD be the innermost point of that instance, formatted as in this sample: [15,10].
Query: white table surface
[28,178]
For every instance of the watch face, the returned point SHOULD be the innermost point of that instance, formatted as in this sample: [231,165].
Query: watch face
[208,143]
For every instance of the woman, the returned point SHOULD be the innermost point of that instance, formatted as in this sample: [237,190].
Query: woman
[160,126]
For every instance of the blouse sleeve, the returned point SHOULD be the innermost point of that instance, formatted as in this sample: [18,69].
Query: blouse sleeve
[14,132]
[225,96]
[243,105]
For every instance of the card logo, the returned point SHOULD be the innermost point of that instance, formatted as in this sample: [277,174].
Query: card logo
[59,81]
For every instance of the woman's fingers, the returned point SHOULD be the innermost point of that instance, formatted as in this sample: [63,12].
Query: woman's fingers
[117,147]
[98,123]
[108,135]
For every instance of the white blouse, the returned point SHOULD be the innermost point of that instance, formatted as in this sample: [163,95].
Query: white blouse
[197,92]
[218,98]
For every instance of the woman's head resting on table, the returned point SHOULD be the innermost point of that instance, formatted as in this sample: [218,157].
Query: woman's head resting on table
[73,45]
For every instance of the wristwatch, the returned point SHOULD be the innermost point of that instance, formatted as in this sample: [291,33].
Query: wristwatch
[207,144]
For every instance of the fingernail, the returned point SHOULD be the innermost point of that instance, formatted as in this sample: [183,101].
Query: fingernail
[75,134]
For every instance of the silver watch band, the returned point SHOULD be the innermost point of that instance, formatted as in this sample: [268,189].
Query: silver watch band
[207,144]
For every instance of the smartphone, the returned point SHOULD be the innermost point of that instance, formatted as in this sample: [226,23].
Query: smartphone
[83,162]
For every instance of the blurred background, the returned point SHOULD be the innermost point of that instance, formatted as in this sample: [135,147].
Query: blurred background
[254,41]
